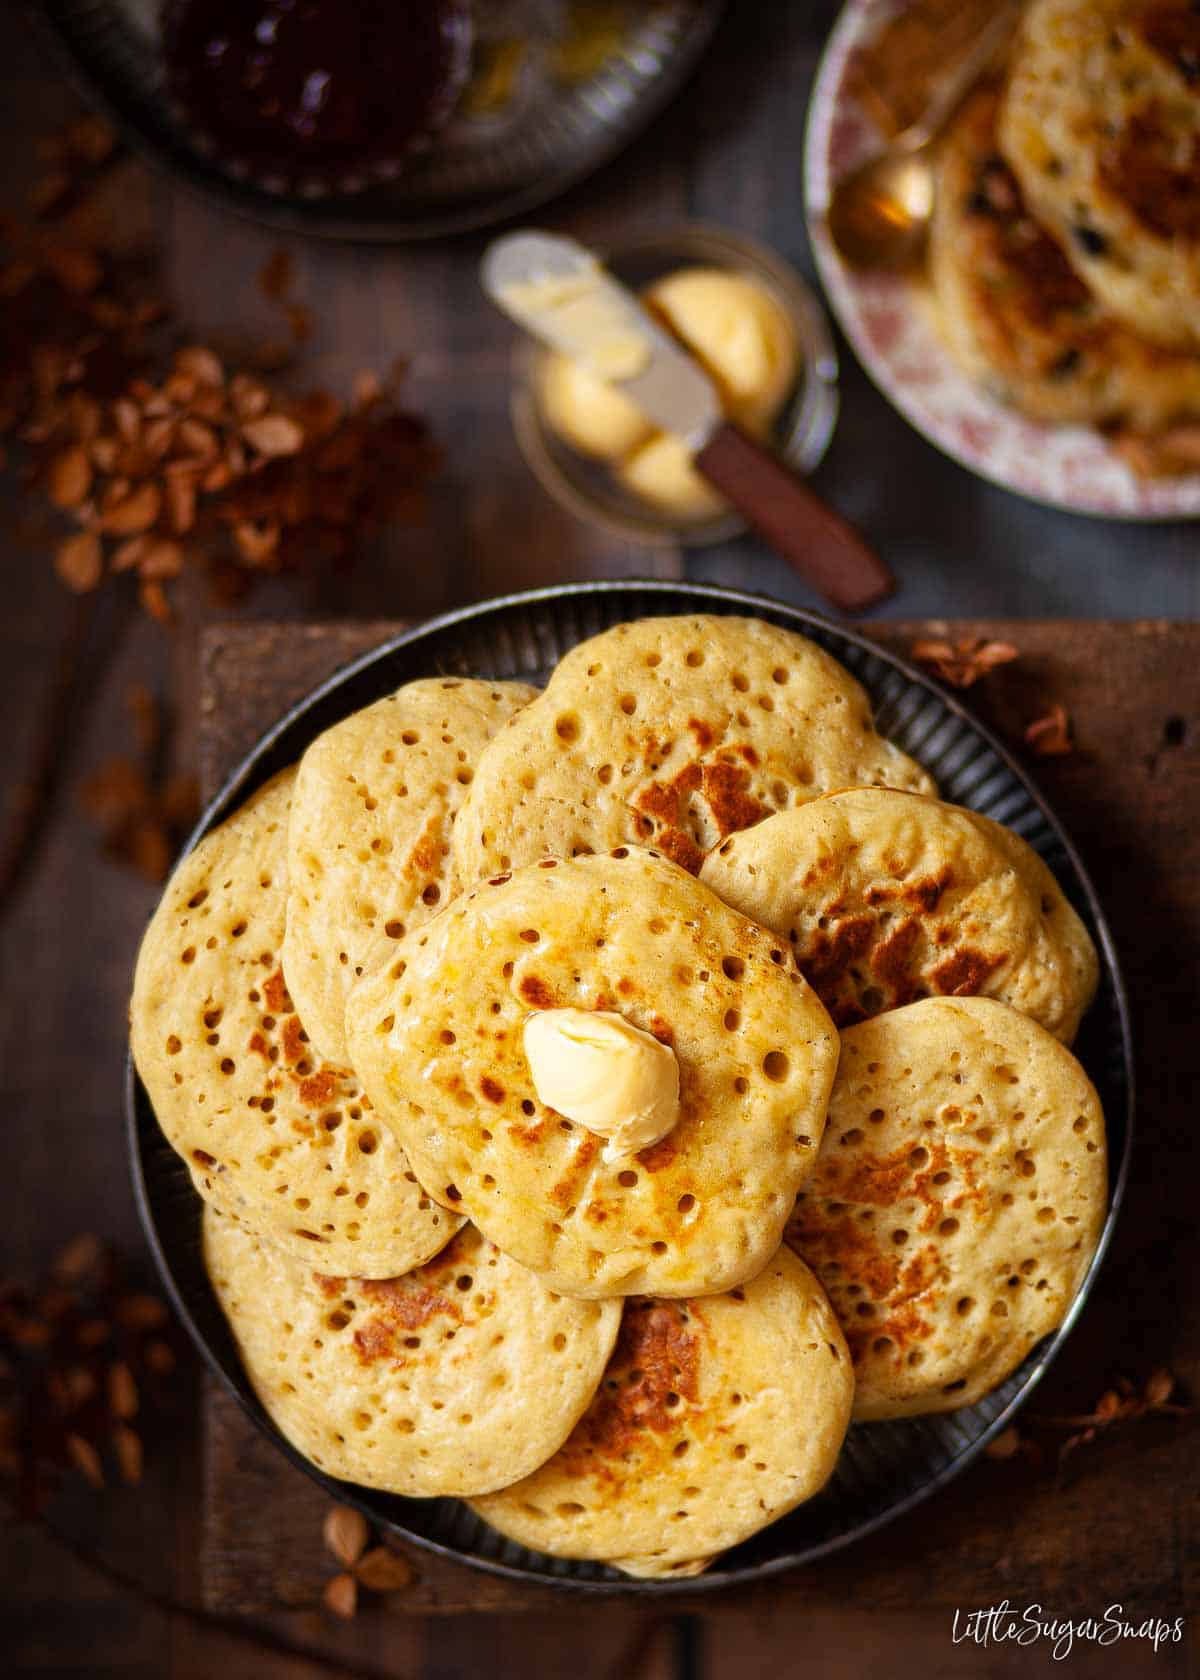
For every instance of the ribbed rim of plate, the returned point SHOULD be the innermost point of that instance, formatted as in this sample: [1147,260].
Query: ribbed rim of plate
[885,1469]
[891,331]
[76,31]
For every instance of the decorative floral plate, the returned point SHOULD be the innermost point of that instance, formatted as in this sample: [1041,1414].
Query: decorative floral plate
[889,322]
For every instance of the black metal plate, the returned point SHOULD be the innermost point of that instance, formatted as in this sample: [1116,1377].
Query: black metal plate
[885,1468]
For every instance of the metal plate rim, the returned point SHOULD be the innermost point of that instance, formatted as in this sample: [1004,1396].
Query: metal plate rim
[690,597]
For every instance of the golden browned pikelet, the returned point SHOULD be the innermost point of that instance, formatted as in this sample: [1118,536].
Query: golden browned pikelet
[1100,121]
[887,897]
[715,1417]
[269,1130]
[439,1041]
[1020,318]
[672,733]
[369,834]
[957,1200]
[456,1379]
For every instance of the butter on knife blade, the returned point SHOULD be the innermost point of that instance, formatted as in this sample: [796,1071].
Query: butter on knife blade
[558,290]
[586,319]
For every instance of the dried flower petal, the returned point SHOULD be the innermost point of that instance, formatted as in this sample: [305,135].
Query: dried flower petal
[256,543]
[346,1534]
[128,554]
[1159,1388]
[250,398]
[141,1312]
[159,1358]
[153,598]
[273,434]
[341,1596]
[1050,736]
[127,1445]
[122,1391]
[134,513]
[1006,1445]
[962,663]
[78,562]
[70,478]
[81,1256]
[162,559]
[200,364]
[86,1459]
[382,1570]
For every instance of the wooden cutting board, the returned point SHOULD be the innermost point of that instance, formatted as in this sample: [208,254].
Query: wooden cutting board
[1121,1525]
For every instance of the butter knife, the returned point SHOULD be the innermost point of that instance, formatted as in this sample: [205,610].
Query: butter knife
[557,290]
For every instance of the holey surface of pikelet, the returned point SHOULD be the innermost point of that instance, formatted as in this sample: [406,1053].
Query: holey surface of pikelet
[957,1200]
[458,1378]
[715,1417]
[887,897]
[672,733]
[438,1042]
[369,834]
[269,1131]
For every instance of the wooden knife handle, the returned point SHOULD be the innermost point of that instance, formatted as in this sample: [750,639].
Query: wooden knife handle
[795,521]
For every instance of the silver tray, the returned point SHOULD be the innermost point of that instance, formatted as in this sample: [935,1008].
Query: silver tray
[885,1468]
[554,130]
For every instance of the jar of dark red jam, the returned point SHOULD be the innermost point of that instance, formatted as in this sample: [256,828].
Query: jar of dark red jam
[316,96]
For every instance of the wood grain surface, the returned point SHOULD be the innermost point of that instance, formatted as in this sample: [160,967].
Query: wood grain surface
[1122,1526]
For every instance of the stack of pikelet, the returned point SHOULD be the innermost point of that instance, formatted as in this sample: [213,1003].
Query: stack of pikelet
[1065,253]
[440,1286]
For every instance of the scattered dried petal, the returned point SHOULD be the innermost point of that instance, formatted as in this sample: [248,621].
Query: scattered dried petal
[200,364]
[86,1459]
[341,1596]
[81,1256]
[134,513]
[1050,736]
[250,398]
[78,562]
[1159,1388]
[153,598]
[122,1391]
[162,559]
[70,478]
[141,1312]
[127,1444]
[256,543]
[1006,1445]
[199,440]
[346,1534]
[273,434]
[382,1570]
[128,554]
[159,1358]
[962,663]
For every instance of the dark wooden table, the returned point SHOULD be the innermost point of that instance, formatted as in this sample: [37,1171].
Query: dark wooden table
[729,150]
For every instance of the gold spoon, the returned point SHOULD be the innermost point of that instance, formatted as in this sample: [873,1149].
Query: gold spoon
[880,213]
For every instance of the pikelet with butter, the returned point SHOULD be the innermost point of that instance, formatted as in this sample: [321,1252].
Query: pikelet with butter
[621,1080]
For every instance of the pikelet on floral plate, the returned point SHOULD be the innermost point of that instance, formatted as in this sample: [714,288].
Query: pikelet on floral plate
[1001,348]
